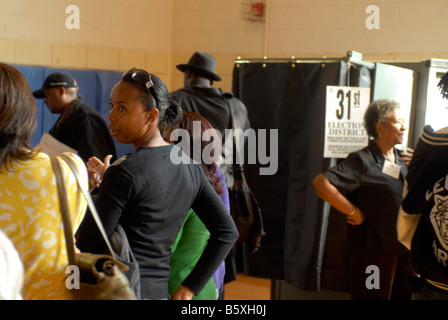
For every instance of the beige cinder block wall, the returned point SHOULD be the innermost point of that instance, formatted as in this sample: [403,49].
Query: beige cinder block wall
[408,30]
[112,35]
[159,34]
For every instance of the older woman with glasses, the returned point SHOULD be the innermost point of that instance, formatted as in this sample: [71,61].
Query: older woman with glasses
[150,195]
[367,187]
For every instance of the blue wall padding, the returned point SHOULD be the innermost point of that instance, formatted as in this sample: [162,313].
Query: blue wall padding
[94,88]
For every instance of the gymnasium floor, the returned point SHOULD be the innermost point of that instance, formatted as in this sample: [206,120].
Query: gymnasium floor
[248,288]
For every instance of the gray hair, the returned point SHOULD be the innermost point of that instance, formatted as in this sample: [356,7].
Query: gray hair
[378,111]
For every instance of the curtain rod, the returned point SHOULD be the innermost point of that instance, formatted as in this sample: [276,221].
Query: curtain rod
[282,60]
[352,57]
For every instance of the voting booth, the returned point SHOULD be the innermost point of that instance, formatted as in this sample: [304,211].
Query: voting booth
[317,106]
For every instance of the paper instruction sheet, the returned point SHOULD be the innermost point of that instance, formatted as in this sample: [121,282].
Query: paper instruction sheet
[53,147]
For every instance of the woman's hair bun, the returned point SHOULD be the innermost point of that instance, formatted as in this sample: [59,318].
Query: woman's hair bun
[171,115]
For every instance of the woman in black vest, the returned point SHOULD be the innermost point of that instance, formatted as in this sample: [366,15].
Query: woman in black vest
[150,191]
[367,187]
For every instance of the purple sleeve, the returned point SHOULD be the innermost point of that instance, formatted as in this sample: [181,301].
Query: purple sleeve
[218,276]
[225,192]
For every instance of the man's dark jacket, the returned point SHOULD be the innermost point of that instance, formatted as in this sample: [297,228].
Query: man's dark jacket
[212,104]
[84,129]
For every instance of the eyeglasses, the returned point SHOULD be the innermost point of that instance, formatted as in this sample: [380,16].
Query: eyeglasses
[142,78]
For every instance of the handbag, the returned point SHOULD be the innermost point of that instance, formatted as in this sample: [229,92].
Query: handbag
[101,276]
[119,244]
[245,211]
[244,208]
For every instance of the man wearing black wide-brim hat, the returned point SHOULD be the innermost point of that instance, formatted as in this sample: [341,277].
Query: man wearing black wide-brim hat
[199,95]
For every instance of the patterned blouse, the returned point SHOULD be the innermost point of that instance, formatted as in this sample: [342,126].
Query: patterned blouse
[31,218]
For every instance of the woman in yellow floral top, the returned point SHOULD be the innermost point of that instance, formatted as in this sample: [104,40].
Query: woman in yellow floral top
[29,204]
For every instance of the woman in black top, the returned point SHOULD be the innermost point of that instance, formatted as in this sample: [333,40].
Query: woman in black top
[367,187]
[150,191]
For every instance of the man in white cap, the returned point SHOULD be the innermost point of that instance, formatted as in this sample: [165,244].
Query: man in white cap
[80,126]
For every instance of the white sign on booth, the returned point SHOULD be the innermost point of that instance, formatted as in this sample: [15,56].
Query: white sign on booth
[344,117]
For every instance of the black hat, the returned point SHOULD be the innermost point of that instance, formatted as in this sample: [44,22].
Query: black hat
[202,63]
[55,80]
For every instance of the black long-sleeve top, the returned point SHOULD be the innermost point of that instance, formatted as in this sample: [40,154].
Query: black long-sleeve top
[150,195]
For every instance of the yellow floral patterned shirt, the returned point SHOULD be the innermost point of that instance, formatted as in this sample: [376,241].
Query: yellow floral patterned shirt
[30,216]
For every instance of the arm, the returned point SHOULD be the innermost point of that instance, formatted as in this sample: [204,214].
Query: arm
[223,234]
[182,293]
[329,193]
[407,155]
[113,195]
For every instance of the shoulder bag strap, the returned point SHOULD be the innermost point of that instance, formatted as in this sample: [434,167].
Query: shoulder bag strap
[90,203]
[65,209]
[234,126]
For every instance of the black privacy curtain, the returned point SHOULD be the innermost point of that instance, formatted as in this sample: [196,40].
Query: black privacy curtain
[304,242]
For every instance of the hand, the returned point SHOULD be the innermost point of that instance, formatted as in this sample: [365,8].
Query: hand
[407,155]
[357,218]
[94,179]
[76,248]
[182,293]
[96,170]
[99,167]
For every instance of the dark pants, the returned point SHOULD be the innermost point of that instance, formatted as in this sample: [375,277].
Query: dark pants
[390,272]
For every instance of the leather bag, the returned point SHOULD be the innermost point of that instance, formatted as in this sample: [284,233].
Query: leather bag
[101,276]
[244,208]
[119,244]
[245,211]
